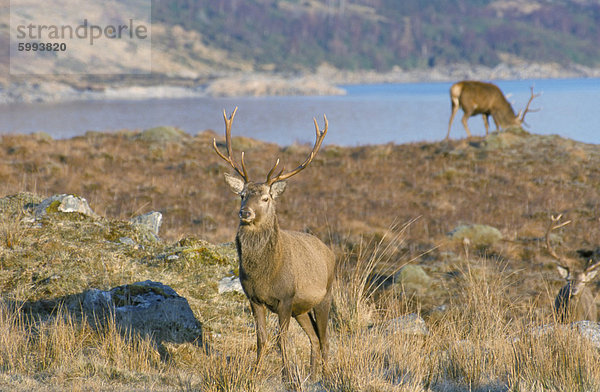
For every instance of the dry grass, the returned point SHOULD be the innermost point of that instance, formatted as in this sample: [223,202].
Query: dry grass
[480,307]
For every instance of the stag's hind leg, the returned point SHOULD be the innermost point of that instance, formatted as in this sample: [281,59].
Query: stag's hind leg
[309,327]
[320,320]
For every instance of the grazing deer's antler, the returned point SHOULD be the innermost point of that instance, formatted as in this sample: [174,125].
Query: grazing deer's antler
[526,110]
[229,158]
[319,139]
[553,226]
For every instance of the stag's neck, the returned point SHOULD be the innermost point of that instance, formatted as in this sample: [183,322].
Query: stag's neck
[259,247]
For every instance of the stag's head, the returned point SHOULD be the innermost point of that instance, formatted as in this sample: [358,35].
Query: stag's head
[576,278]
[579,278]
[258,198]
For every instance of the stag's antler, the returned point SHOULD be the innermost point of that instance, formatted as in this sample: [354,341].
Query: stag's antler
[553,226]
[529,103]
[229,158]
[319,139]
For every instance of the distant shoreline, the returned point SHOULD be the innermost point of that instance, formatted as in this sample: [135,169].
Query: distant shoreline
[325,81]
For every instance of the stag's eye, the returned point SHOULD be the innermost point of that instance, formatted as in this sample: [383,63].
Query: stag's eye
[265,199]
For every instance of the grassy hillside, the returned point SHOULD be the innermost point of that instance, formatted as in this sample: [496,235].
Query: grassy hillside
[378,207]
[293,35]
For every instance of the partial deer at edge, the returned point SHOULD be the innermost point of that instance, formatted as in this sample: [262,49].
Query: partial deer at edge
[288,272]
[475,97]
[574,301]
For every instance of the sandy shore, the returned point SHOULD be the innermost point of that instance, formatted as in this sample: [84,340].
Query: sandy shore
[325,81]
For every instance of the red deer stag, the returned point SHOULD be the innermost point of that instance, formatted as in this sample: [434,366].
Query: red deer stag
[574,301]
[288,272]
[475,98]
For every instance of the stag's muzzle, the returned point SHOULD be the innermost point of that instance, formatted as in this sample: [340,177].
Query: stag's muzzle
[247,215]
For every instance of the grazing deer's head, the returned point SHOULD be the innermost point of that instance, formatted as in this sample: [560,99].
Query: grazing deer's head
[258,197]
[574,301]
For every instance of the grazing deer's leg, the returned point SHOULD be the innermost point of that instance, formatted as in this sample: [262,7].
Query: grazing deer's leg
[258,311]
[454,110]
[464,121]
[486,123]
[308,327]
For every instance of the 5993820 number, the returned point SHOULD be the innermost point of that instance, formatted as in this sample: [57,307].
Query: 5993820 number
[41,46]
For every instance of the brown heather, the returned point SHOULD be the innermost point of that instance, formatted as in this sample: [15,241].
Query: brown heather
[378,208]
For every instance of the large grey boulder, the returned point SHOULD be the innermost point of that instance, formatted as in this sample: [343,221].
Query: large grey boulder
[147,308]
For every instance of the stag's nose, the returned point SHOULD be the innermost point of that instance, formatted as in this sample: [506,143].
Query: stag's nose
[247,215]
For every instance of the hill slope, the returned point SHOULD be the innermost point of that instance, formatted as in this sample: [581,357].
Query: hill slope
[294,35]
[378,207]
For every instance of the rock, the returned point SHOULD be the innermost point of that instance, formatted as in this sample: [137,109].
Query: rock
[412,275]
[478,236]
[589,330]
[63,203]
[230,284]
[162,134]
[410,324]
[151,221]
[147,308]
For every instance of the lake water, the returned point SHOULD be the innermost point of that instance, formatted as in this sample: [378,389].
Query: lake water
[368,114]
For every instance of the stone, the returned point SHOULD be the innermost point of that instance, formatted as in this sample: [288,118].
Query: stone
[230,284]
[63,203]
[412,275]
[151,221]
[410,324]
[589,330]
[162,134]
[147,308]
[477,235]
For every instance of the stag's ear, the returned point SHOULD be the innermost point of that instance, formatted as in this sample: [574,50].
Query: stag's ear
[278,188]
[592,274]
[562,271]
[236,184]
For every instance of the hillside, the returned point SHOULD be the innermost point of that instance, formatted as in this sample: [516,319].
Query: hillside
[378,34]
[380,208]
[202,47]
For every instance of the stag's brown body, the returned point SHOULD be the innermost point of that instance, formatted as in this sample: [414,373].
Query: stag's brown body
[573,304]
[290,273]
[574,301]
[475,97]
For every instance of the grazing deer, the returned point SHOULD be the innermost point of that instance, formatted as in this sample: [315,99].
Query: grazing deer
[486,99]
[288,272]
[574,301]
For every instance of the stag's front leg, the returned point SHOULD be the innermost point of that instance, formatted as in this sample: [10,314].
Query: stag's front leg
[258,311]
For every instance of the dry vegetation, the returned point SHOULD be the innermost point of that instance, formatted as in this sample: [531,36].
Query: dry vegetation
[378,207]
